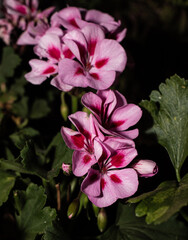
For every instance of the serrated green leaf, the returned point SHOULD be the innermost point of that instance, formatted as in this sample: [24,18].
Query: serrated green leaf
[19,138]
[129,227]
[171,118]
[39,109]
[30,160]
[34,217]
[9,62]
[62,154]
[7,181]
[162,203]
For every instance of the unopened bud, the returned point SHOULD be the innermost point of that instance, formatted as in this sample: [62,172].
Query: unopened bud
[95,210]
[64,108]
[66,168]
[73,208]
[102,220]
[146,168]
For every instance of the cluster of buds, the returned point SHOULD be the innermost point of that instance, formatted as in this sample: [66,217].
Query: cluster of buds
[81,48]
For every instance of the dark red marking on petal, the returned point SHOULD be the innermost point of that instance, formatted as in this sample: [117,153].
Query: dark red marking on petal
[73,22]
[103,183]
[86,159]
[79,71]
[93,177]
[115,178]
[117,123]
[95,76]
[67,53]
[54,52]
[117,160]
[101,63]
[49,70]
[78,140]
[21,9]
[91,46]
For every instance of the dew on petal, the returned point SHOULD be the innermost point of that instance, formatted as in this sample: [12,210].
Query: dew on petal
[115,178]
[49,70]
[86,159]
[78,140]
[101,63]
[54,53]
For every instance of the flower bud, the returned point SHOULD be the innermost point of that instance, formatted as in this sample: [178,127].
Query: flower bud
[95,210]
[66,168]
[102,220]
[73,208]
[146,168]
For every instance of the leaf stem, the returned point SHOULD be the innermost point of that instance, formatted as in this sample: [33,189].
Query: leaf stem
[178,175]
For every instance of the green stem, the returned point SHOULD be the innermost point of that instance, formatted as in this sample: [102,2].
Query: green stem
[178,175]
[74,103]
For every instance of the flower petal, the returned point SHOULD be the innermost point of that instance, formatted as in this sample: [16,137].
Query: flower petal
[124,117]
[91,185]
[82,162]
[40,71]
[109,55]
[73,139]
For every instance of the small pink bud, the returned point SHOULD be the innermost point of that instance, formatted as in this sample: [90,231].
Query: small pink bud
[146,168]
[66,168]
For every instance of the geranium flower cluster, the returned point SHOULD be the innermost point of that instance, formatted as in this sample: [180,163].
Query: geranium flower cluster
[21,14]
[81,48]
[104,147]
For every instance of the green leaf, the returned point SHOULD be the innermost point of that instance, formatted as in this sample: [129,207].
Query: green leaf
[7,181]
[9,62]
[20,108]
[30,160]
[129,227]
[55,232]
[39,109]
[171,118]
[62,154]
[34,217]
[162,203]
[19,138]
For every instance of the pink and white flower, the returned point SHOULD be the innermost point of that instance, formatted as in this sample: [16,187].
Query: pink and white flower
[5,30]
[111,179]
[82,141]
[99,59]
[113,113]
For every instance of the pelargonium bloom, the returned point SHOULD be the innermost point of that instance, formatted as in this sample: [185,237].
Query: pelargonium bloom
[146,168]
[113,113]
[99,59]
[77,18]
[5,30]
[110,179]
[82,141]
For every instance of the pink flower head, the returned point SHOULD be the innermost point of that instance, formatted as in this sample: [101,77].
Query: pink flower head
[82,141]
[21,8]
[110,179]
[75,18]
[5,30]
[146,168]
[113,113]
[98,59]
